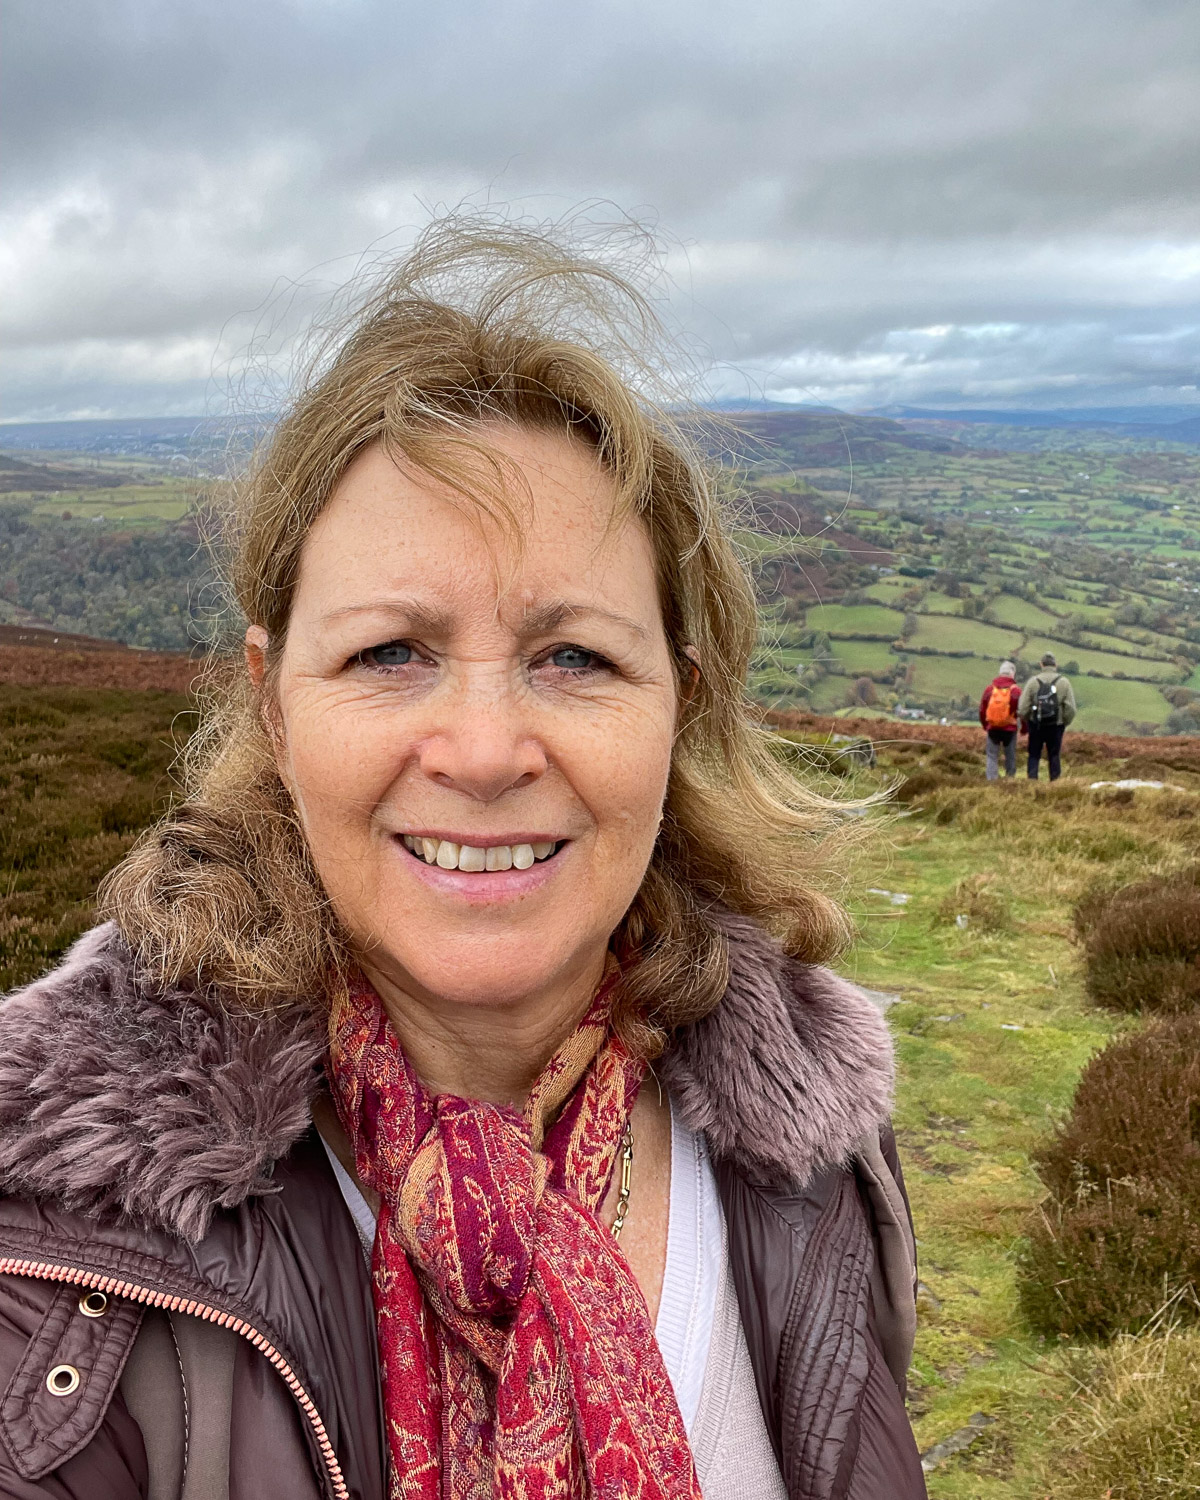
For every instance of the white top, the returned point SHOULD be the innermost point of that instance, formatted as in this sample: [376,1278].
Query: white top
[695,1262]
[699,1328]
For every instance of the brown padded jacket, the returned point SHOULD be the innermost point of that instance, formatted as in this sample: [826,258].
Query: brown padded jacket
[162,1188]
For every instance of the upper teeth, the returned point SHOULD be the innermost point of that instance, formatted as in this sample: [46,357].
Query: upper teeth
[450,856]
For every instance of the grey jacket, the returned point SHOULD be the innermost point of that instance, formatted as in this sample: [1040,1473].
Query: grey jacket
[1065,693]
[176,1255]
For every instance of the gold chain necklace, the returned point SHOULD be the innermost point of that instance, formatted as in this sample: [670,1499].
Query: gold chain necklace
[626,1177]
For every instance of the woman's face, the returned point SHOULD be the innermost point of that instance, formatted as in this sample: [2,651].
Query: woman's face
[477,735]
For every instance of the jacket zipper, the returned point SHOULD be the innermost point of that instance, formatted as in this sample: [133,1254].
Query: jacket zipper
[48,1271]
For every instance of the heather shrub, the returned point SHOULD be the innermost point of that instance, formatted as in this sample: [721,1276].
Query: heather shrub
[1141,943]
[1132,1431]
[82,771]
[1119,1232]
[1105,1264]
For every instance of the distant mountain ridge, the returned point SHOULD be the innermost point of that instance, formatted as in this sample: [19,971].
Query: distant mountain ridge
[201,436]
[1180,424]
[1052,416]
[156,437]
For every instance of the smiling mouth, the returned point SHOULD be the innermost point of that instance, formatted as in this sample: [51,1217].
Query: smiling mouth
[469,857]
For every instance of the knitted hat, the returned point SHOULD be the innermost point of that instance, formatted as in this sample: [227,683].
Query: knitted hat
[1048,659]
[1008,669]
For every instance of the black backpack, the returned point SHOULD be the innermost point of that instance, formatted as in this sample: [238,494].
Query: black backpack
[1045,704]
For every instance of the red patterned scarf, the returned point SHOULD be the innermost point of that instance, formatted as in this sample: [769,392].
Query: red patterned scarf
[518,1356]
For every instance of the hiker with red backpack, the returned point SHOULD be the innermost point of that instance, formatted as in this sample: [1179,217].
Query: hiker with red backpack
[1047,706]
[998,715]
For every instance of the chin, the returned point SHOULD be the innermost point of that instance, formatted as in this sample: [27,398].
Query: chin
[491,968]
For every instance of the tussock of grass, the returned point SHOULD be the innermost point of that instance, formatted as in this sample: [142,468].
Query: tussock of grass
[930,770]
[978,898]
[1133,1430]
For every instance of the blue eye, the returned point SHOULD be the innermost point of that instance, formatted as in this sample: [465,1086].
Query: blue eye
[390,654]
[573,658]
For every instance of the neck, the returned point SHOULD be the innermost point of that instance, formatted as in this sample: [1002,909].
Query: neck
[479,1050]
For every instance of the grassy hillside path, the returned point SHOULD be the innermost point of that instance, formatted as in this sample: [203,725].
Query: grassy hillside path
[991,1030]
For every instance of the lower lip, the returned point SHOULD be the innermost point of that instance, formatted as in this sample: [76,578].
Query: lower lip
[485,887]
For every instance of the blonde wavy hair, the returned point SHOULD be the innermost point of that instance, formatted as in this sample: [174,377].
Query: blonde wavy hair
[486,323]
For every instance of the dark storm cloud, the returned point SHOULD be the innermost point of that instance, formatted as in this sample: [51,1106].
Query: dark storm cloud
[843,175]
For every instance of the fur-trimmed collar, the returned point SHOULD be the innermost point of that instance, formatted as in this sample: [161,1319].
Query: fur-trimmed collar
[116,1096]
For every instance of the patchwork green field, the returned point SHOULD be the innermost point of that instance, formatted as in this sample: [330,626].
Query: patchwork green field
[856,656]
[849,620]
[978,554]
[947,633]
[131,505]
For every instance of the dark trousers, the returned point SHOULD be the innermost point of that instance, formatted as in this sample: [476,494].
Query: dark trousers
[1049,737]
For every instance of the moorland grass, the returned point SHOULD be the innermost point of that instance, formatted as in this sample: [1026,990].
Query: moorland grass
[976,902]
[993,1030]
[1131,1430]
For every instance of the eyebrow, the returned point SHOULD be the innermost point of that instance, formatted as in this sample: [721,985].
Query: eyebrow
[547,617]
[420,616]
[539,620]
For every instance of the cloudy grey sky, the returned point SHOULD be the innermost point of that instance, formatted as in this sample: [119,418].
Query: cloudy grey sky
[864,202]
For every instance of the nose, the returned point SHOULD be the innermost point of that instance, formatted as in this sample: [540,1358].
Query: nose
[483,747]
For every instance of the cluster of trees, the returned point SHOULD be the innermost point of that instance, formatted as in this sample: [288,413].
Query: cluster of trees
[150,588]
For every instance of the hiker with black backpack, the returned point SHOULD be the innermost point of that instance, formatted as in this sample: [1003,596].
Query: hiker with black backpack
[1047,706]
[998,716]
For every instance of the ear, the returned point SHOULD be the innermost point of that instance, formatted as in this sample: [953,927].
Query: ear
[257,641]
[693,682]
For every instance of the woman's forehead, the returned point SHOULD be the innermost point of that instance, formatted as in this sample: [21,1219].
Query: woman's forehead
[392,531]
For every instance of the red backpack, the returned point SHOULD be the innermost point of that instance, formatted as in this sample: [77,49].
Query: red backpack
[999,714]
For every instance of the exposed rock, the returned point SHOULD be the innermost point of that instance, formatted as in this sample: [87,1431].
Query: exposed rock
[957,1442]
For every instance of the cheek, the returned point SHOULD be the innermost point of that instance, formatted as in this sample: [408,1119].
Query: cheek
[336,764]
[622,775]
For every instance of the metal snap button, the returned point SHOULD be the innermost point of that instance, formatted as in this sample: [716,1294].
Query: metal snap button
[93,1304]
[62,1380]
